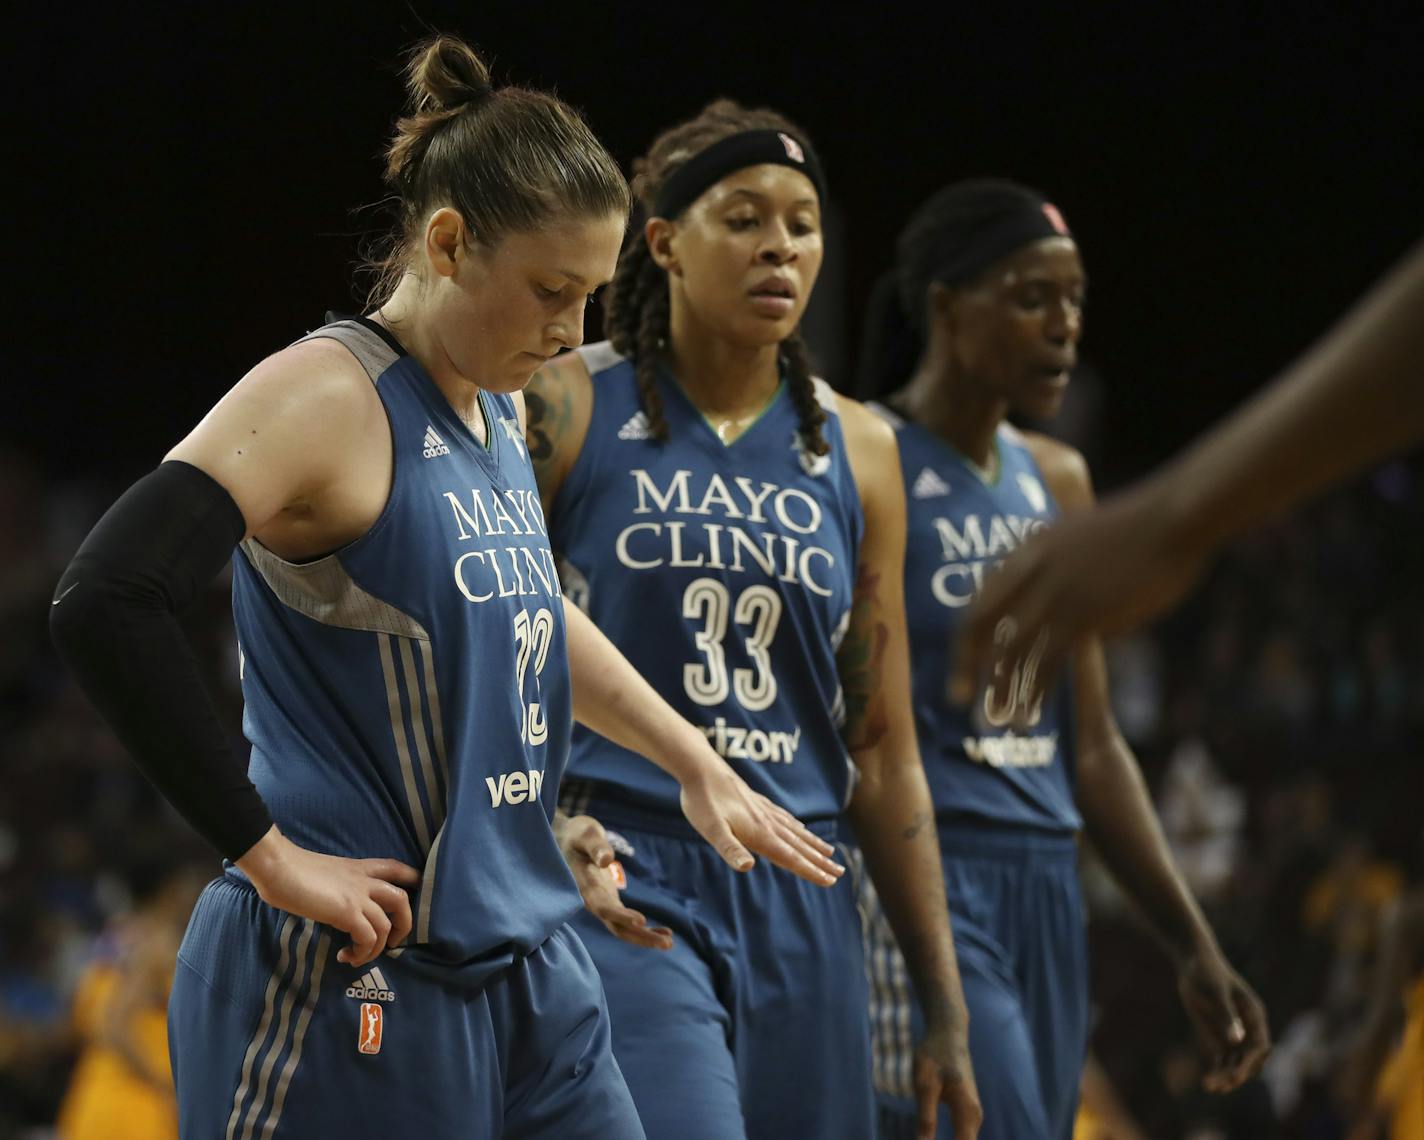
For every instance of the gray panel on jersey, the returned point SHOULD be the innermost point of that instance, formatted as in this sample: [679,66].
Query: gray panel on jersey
[325,592]
[373,353]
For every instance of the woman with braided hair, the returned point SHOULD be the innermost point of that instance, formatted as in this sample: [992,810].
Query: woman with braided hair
[737,529]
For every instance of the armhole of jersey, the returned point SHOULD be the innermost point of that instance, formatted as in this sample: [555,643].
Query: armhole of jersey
[597,358]
[890,417]
[1010,435]
[375,352]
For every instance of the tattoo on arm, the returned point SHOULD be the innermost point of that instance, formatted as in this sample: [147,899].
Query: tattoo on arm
[859,660]
[917,825]
[540,448]
[550,408]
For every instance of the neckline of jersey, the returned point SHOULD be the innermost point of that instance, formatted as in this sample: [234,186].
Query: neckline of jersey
[700,416]
[400,350]
[996,460]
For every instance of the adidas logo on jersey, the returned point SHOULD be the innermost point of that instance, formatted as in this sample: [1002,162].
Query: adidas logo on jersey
[929,485]
[434,445]
[371,986]
[636,428]
[511,429]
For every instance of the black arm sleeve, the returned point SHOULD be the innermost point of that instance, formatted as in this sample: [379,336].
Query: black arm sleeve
[114,621]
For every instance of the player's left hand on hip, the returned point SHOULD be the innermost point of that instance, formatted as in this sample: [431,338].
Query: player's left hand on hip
[943,1074]
[740,823]
[1229,1018]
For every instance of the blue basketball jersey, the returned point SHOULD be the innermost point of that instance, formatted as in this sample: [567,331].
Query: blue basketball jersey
[960,527]
[408,695]
[724,572]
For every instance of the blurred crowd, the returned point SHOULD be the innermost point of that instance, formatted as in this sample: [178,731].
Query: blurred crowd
[1278,718]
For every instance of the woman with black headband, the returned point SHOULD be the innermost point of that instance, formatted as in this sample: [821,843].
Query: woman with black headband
[982,315]
[737,529]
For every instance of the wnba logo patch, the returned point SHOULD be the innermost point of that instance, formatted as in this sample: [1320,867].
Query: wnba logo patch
[370,1029]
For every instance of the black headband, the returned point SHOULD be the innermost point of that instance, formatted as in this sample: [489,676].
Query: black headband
[993,238]
[749,148]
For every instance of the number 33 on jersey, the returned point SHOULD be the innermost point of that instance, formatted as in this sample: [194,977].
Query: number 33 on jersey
[724,572]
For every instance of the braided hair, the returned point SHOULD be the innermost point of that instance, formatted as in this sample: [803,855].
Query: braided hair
[637,310]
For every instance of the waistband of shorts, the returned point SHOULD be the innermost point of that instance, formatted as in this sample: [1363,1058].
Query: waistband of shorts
[970,839]
[589,797]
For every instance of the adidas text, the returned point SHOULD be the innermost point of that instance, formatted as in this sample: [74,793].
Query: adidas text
[371,986]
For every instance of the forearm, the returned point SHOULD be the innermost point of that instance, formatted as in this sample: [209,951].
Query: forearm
[114,620]
[613,699]
[1123,826]
[893,819]
[1355,398]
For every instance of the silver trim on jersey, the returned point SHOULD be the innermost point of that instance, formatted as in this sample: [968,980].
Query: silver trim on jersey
[427,890]
[260,1034]
[393,704]
[432,694]
[422,740]
[325,592]
[284,1082]
[600,356]
[279,1038]
[370,351]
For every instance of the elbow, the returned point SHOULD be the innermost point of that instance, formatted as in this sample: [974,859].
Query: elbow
[68,614]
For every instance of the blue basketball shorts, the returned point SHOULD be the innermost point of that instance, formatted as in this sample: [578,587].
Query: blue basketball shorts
[1020,936]
[753,1026]
[271,1037]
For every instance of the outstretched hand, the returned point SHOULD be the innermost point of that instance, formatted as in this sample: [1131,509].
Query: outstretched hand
[740,823]
[1103,571]
[1229,1019]
[364,898]
[588,853]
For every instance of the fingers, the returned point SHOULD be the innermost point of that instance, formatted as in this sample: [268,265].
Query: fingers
[632,927]
[395,903]
[1253,1044]
[929,1086]
[817,854]
[391,870]
[974,650]
[602,900]
[965,1111]
[799,828]
[588,838]
[363,940]
[789,850]
[1235,1036]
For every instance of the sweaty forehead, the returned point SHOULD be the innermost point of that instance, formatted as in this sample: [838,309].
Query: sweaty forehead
[1053,257]
[769,182]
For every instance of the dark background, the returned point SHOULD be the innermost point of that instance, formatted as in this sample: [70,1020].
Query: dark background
[185,183]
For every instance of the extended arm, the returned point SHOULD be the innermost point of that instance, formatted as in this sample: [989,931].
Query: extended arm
[614,700]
